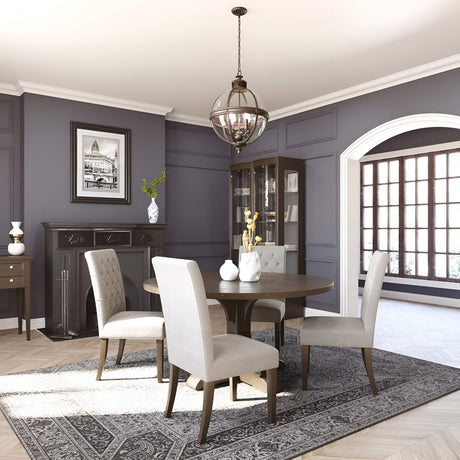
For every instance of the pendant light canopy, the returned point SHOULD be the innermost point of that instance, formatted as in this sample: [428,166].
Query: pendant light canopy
[237,116]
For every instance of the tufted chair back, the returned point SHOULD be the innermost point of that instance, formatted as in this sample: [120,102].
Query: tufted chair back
[272,258]
[109,292]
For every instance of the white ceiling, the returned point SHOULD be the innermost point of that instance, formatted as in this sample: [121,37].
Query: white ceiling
[177,56]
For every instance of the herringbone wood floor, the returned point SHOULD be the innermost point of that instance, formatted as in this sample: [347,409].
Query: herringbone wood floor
[430,432]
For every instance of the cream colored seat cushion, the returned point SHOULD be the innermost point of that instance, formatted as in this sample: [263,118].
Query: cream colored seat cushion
[133,325]
[236,355]
[335,332]
[270,310]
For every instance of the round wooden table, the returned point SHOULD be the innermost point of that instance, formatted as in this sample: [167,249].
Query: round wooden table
[238,298]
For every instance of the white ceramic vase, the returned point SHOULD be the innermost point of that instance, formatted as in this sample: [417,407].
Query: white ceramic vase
[250,268]
[153,211]
[228,271]
[16,248]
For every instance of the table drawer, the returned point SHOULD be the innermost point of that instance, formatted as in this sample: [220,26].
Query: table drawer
[11,269]
[10,282]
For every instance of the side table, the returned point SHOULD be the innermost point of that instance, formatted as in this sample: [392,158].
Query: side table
[15,274]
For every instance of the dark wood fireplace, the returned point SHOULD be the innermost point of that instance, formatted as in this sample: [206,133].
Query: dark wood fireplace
[69,300]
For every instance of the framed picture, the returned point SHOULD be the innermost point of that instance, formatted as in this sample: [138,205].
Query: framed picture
[292,182]
[100,164]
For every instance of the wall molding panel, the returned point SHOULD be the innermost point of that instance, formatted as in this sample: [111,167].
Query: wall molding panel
[326,268]
[268,143]
[6,116]
[321,215]
[321,127]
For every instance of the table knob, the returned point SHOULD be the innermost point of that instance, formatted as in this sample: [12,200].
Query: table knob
[11,267]
[11,280]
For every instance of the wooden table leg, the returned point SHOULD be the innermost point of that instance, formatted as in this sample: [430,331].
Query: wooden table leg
[20,303]
[27,313]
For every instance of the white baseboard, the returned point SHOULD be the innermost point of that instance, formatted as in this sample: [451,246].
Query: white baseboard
[419,298]
[315,312]
[12,323]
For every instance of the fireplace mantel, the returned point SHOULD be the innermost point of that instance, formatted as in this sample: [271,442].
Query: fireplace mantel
[69,300]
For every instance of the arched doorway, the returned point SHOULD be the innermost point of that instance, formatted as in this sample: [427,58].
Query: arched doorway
[349,195]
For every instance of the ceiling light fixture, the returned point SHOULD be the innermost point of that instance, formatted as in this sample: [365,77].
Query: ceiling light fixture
[236,116]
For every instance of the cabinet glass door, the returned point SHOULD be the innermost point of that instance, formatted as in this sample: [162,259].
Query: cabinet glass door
[265,202]
[291,219]
[241,201]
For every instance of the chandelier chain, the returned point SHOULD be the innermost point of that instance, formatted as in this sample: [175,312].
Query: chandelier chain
[239,74]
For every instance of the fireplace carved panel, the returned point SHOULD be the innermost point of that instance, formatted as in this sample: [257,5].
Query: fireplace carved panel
[69,307]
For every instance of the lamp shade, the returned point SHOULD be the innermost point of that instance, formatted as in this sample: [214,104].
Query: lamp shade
[237,116]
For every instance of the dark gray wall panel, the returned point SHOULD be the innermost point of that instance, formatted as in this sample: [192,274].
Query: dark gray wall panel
[326,269]
[6,116]
[6,196]
[182,137]
[267,144]
[309,130]
[197,195]
[321,205]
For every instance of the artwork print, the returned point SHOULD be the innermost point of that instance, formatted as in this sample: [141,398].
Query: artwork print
[100,157]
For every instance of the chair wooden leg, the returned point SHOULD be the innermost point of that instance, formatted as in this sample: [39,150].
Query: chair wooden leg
[121,349]
[367,356]
[208,397]
[278,335]
[305,365]
[233,383]
[272,376]
[173,379]
[102,357]
[160,351]
[282,331]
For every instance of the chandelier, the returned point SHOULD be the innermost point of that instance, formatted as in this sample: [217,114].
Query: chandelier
[236,116]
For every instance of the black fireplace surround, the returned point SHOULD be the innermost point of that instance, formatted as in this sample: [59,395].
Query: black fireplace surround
[69,300]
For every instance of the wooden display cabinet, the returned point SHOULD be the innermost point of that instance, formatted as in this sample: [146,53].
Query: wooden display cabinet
[274,187]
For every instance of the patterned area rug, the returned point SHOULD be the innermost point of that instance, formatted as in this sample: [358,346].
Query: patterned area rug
[63,413]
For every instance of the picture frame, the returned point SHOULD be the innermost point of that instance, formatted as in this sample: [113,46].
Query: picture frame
[100,164]
[292,182]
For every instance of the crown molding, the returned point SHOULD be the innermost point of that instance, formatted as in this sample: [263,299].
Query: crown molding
[190,119]
[12,90]
[91,98]
[415,73]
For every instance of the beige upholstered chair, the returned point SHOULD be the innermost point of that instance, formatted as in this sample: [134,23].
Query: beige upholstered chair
[193,348]
[273,260]
[348,332]
[113,321]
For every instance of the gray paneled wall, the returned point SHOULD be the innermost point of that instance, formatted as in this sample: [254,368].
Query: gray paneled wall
[319,137]
[197,195]
[194,199]
[310,136]
[47,172]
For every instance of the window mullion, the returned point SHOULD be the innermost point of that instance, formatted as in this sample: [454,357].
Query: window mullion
[402,223]
[431,184]
[375,209]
